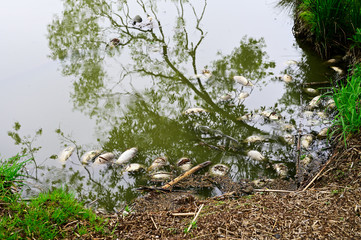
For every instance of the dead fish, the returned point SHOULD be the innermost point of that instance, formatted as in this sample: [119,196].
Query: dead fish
[243,95]
[248,116]
[306,140]
[254,138]
[266,113]
[194,110]
[226,97]
[161,176]
[255,155]
[313,122]
[287,78]
[88,156]
[306,160]
[66,153]
[184,164]
[308,114]
[322,115]
[331,61]
[158,163]
[134,167]
[314,102]
[331,104]
[218,170]
[127,155]
[288,127]
[104,158]
[291,62]
[274,116]
[206,73]
[323,133]
[262,182]
[137,19]
[242,80]
[311,91]
[289,139]
[281,169]
[338,70]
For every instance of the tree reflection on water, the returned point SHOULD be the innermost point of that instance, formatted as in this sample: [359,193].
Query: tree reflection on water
[138,90]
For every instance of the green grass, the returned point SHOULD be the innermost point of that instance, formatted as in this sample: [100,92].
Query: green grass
[347,100]
[10,177]
[332,20]
[54,214]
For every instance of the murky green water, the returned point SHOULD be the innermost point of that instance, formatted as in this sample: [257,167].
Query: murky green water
[62,72]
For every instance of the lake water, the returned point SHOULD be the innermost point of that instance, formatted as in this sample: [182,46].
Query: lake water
[61,72]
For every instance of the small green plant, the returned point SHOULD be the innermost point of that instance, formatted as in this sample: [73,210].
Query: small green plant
[335,191]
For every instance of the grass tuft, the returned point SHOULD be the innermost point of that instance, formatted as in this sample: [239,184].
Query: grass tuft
[347,99]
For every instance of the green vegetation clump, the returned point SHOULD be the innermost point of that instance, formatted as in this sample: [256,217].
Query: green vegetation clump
[54,214]
[332,21]
[347,99]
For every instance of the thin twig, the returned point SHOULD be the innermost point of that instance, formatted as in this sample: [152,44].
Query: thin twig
[273,190]
[190,225]
[183,214]
[155,225]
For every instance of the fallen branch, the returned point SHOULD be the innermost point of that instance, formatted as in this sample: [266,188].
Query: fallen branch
[273,190]
[316,83]
[195,218]
[186,174]
[155,225]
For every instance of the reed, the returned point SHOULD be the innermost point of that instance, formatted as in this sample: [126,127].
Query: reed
[332,20]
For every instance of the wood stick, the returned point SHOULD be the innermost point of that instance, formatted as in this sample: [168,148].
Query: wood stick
[186,174]
[190,225]
[155,225]
[317,83]
[273,190]
[183,214]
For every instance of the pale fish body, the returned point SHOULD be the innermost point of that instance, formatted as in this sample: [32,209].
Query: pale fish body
[289,139]
[126,156]
[274,116]
[66,153]
[248,116]
[306,140]
[161,176]
[254,138]
[331,104]
[262,182]
[88,156]
[104,158]
[281,169]
[311,91]
[184,164]
[134,167]
[158,163]
[288,127]
[313,122]
[337,69]
[266,113]
[287,78]
[194,110]
[323,133]
[308,114]
[322,115]
[255,155]
[243,95]
[226,97]
[219,170]
[314,102]
[291,62]
[242,80]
